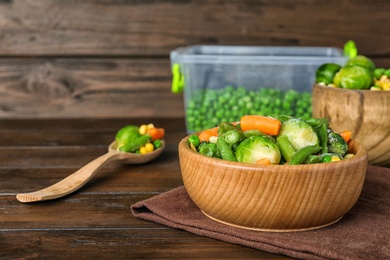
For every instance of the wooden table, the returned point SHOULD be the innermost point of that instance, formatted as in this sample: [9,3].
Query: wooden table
[94,222]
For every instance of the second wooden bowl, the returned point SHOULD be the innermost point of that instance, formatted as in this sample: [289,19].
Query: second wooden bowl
[277,198]
[365,113]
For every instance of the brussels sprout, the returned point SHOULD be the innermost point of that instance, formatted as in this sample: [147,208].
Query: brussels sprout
[126,135]
[326,72]
[299,133]
[353,77]
[362,61]
[257,147]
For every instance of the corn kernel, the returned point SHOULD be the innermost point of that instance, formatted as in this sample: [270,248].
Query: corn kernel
[350,155]
[149,147]
[149,126]
[335,158]
[143,150]
[213,139]
[376,88]
[142,129]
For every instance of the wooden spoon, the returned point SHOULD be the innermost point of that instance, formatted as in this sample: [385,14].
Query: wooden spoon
[77,179]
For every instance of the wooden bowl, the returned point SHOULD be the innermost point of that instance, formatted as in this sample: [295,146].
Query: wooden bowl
[278,198]
[365,113]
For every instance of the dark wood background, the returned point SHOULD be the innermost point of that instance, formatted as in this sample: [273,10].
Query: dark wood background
[110,58]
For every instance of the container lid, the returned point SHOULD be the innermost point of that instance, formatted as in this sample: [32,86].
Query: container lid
[256,55]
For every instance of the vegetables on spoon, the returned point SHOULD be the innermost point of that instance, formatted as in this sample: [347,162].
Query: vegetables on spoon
[143,139]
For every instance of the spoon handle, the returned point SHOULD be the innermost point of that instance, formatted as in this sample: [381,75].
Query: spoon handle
[71,183]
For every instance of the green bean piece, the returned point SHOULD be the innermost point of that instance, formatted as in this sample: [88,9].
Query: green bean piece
[208,149]
[316,122]
[233,136]
[135,144]
[282,118]
[301,155]
[225,151]
[285,147]
[249,133]
[323,135]
[225,126]
[312,159]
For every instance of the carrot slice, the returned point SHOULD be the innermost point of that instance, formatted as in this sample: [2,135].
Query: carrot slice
[346,134]
[205,135]
[263,161]
[156,133]
[267,125]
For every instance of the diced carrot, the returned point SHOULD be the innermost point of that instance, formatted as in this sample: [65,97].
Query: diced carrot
[155,133]
[263,161]
[205,135]
[267,125]
[346,134]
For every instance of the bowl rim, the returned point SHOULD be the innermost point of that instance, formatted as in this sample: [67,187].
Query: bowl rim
[363,91]
[359,156]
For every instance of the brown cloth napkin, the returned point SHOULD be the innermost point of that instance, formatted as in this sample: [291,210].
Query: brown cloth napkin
[363,233]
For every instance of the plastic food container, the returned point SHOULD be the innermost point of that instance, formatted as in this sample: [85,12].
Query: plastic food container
[222,83]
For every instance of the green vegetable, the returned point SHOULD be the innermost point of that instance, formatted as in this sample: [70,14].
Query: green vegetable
[337,144]
[362,61]
[299,133]
[323,135]
[208,149]
[233,136]
[135,144]
[379,72]
[157,143]
[126,135]
[312,159]
[326,72]
[350,49]
[302,154]
[285,147]
[257,147]
[316,122]
[194,140]
[353,77]
[225,126]
[225,151]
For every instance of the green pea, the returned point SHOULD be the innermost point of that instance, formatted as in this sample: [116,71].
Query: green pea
[157,143]
[326,158]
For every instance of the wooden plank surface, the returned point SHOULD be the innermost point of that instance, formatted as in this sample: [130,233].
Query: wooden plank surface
[100,59]
[148,28]
[74,88]
[95,221]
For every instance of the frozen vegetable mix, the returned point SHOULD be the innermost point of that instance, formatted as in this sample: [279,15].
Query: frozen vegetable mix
[359,73]
[139,139]
[277,139]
